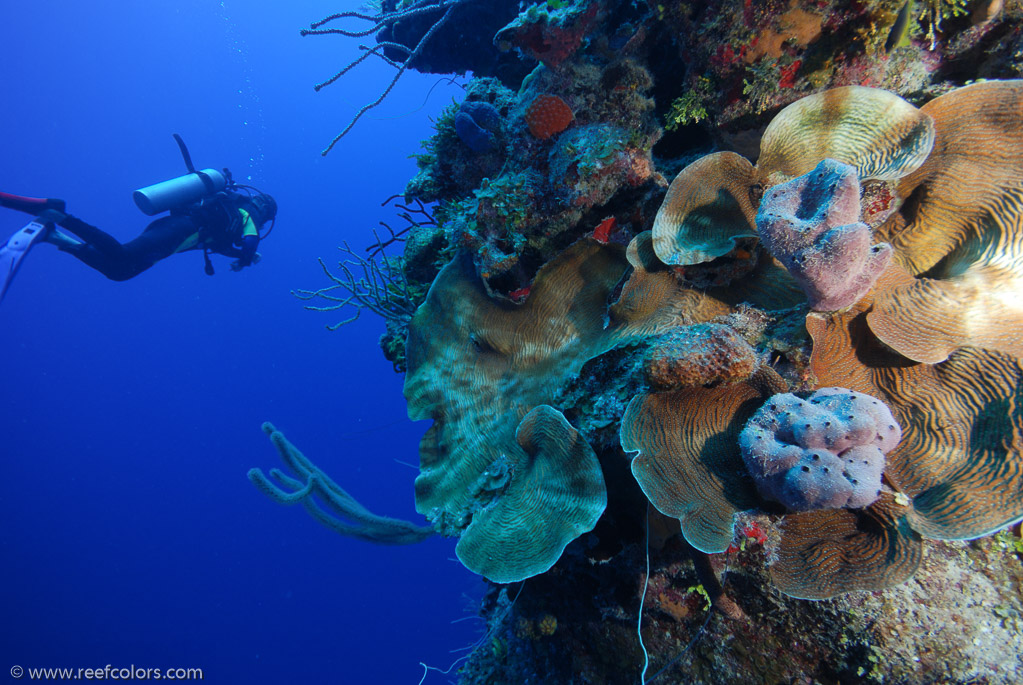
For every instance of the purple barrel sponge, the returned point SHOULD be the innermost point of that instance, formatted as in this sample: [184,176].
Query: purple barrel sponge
[823,452]
[477,124]
[811,224]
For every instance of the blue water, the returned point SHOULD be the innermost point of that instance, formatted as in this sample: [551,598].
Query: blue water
[131,411]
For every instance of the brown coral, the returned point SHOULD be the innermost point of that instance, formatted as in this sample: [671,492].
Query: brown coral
[653,301]
[960,232]
[492,469]
[961,457]
[877,132]
[708,206]
[547,116]
[826,553]
[712,202]
[689,465]
[961,461]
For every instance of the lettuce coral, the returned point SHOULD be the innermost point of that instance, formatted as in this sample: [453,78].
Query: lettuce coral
[688,462]
[548,483]
[480,369]
[960,462]
[960,234]
[707,208]
[883,136]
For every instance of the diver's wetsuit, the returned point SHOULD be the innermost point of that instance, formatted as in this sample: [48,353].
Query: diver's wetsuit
[220,225]
[162,238]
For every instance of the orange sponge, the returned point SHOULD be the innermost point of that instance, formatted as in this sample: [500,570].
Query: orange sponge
[548,115]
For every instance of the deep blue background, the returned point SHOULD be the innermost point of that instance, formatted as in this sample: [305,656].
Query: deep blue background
[130,412]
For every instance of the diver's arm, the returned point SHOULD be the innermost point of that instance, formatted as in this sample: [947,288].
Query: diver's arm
[248,251]
[249,242]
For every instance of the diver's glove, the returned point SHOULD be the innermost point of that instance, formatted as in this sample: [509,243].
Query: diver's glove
[237,265]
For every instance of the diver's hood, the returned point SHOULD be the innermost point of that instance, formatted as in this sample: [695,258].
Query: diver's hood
[261,207]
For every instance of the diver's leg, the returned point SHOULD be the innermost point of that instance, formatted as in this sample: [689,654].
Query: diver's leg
[100,250]
[61,240]
[111,267]
[101,240]
[118,262]
[162,238]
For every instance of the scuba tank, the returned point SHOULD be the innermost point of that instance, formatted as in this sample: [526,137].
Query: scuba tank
[180,191]
[183,190]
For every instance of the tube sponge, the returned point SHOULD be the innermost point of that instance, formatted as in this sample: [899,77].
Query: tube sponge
[824,452]
[811,224]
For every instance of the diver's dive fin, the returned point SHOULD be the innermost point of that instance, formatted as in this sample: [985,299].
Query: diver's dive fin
[30,205]
[15,249]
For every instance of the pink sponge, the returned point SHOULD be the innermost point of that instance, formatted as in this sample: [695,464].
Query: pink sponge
[823,452]
[811,224]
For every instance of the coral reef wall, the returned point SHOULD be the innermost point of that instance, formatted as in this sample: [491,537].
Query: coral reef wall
[763,423]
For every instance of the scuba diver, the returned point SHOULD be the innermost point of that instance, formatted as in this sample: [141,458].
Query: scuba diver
[208,212]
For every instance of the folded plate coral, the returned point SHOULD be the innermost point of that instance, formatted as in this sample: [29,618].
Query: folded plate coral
[959,235]
[494,468]
[958,467]
[877,132]
[708,206]
[830,552]
[532,501]
[688,462]
[960,462]
[714,201]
